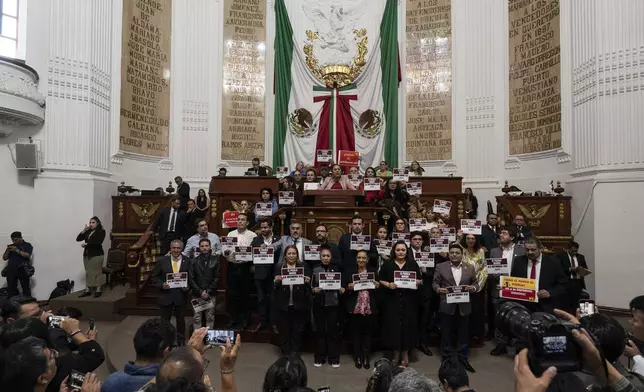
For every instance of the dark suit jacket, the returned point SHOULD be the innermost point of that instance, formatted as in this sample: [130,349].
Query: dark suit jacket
[184,195]
[552,279]
[163,220]
[280,246]
[349,256]
[489,239]
[177,297]
[301,292]
[564,258]
[443,278]
[497,253]
[523,232]
[336,257]
[264,271]
[351,296]
[261,171]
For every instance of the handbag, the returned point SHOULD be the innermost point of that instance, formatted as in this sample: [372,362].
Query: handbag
[27,269]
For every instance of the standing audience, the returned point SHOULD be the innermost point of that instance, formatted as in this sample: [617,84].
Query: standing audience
[92,237]
[18,258]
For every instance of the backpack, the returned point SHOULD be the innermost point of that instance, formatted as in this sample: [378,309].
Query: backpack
[63,287]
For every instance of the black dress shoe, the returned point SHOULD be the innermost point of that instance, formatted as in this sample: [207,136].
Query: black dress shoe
[366,362]
[85,294]
[425,350]
[97,294]
[259,327]
[500,349]
[358,362]
[467,366]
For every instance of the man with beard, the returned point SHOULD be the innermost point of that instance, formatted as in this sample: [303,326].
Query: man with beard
[203,279]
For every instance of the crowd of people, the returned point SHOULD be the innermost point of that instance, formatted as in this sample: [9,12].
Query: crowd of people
[380,294]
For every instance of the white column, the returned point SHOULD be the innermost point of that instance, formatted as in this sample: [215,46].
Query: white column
[608,178]
[72,52]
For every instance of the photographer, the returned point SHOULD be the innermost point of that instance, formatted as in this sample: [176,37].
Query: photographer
[203,279]
[22,306]
[453,377]
[89,357]
[634,346]
[611,337]
[18,258]
[606,376]
[285,374]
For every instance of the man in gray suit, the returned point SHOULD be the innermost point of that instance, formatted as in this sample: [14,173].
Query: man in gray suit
[510,251]
[455,317]
[294,239]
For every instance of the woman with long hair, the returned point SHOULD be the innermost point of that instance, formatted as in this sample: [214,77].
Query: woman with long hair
[92,237]
[415,169]
[400,312]
[291,303]
[471,204]
[362,306]
[201,203]
[474,255]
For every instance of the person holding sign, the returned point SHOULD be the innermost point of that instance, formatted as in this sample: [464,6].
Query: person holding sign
[552,281]
[382,244]
[291,302]
[370,194]
[417,248]
[337,180]
[263,274]
[266,196]
[203,279]
[362,305]
[170,274]
[455,315]
[344,245]
[400,312]
[239,276]
[326,304]
[474,255]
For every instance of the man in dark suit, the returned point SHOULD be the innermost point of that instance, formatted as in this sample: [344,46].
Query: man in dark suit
[322,238]
[523,230]
[257,169]
[348,255]
[263,274]
[183,191]
[571,261]
[172,300]
[490,233]
[551,279]
[455,317]
[510,251]
[170,224]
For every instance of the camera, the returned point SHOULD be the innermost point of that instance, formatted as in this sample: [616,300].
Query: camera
[55,321]
[216,337]
[75,380]
[549,339]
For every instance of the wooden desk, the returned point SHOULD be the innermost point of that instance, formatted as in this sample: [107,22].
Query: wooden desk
[548,216]
[334,198]
[224,190]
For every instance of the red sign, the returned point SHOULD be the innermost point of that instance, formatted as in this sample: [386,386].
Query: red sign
[229,219]
[348,158]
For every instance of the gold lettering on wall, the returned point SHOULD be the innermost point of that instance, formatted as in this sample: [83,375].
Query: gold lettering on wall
[429,80]
[145,77]
[535,83]
[244,64]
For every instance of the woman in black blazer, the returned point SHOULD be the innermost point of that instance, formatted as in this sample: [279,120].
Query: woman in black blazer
[362,307]
[292,303]
[93,255]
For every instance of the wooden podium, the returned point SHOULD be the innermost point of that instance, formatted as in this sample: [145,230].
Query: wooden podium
[334,198]
[548,216]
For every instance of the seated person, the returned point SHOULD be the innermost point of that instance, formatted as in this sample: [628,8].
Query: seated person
[337,180]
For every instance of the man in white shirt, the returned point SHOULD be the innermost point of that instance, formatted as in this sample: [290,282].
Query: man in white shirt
[239,277]
[192,246]
[633,349]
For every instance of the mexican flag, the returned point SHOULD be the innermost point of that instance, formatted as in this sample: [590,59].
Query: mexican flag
[336,80]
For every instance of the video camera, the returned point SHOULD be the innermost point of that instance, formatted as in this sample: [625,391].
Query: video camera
[549,339]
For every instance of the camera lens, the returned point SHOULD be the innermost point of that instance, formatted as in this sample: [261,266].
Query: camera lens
[513,319]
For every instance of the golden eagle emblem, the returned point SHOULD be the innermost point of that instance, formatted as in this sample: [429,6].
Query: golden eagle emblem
[242,206]
[533,213]
[145,211]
